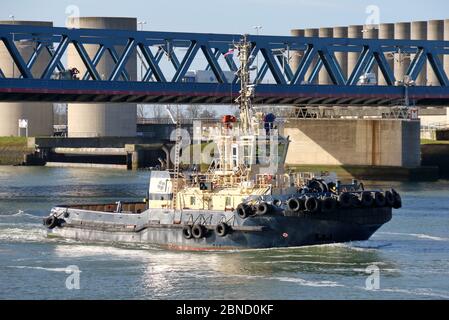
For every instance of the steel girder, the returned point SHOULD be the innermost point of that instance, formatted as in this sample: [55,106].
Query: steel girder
[317,54]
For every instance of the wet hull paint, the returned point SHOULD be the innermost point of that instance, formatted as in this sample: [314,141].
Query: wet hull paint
[271,231]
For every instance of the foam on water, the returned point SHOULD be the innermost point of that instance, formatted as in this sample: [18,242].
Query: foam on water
[42,268]
[296,280]
[416,235]
[307,262]
[32,234]
[19,215]
[420,292]
[91,250]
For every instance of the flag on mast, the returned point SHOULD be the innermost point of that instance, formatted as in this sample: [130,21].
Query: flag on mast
[230,52]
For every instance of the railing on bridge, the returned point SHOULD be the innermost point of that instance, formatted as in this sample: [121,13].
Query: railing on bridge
[168,56]
[429,131]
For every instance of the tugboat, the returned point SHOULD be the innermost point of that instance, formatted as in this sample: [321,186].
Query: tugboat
[245,200]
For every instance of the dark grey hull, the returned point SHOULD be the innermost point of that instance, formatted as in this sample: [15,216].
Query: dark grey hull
[165,228]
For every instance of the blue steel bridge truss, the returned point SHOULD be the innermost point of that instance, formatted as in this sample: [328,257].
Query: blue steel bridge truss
[180,50]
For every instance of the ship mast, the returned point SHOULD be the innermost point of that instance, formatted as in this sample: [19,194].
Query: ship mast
[236,149]
[246,88]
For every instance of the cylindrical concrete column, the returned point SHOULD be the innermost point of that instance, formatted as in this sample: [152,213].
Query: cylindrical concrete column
[446,38]
[311,33]
[371,31]
[342,57]
[102,120]
[419,32]
[323,77]
[354,32]
[402,31]
[39,115]
[386,31]
[435,31]
[296,55]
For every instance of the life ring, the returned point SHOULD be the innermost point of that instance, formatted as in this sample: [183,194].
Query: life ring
[222,229]
[345,200]
[244,211]
[198,231]
[263,208]
[366,199]
[328,204]
[312,205]
[187,232]
[379,199]
[389,198]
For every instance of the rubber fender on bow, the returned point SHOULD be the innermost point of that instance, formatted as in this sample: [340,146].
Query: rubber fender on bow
[222,229]
[345,200]
[244,211]
[312,205]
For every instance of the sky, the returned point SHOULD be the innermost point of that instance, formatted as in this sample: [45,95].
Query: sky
[277,17]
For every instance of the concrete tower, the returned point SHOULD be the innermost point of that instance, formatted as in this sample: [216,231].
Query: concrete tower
[296,55]
[311,33]
[419,32]
[435,31]
[386,31]
[323,77]
[371,31]
[446,38]
[39,115]
[402,31]
[342,57]
[102,120]
[354,32]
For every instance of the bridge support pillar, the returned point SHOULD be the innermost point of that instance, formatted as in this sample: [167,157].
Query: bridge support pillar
[341,142]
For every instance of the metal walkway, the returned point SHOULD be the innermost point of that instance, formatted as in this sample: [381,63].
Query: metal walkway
[168,56]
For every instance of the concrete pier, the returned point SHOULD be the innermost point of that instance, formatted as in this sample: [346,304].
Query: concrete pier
[391,143]
[109,152]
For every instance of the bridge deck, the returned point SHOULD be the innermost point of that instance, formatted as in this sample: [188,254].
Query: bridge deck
[159,85]
[15,90]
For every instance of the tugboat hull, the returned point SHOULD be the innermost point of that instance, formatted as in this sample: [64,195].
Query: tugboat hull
[166,228]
